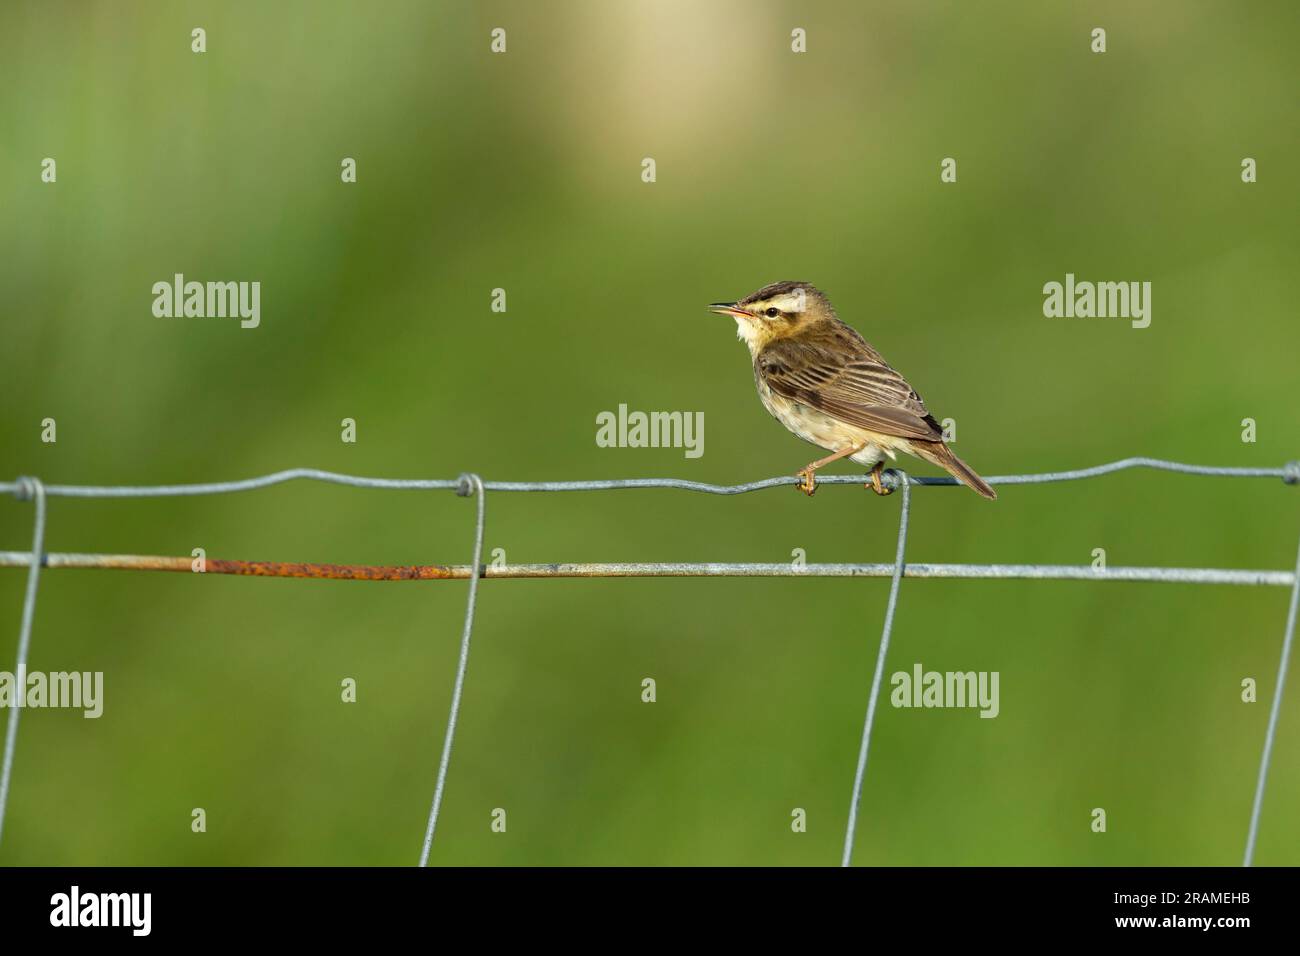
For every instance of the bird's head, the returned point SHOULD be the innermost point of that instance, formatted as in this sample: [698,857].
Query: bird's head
[776,311]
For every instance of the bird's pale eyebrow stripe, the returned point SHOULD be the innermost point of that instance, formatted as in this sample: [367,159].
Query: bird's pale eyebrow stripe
[769,292]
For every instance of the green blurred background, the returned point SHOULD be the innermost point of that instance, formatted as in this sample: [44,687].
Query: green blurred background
[522,171]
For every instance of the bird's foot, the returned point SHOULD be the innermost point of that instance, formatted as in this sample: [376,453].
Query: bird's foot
[876,485]
[807,481]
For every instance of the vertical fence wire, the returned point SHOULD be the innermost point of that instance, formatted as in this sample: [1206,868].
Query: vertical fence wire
[468,484]
[36,491]
[1287,638]
[879,674]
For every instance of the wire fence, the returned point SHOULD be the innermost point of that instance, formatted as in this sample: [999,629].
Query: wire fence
[32,489]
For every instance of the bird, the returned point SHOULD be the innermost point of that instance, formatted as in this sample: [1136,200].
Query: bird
[820,378]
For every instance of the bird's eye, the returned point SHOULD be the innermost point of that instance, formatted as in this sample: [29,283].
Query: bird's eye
[772,313]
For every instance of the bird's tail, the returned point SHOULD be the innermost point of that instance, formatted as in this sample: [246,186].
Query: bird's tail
[937,453]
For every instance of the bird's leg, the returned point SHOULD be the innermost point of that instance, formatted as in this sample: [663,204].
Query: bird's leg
[808,473]
[875,485]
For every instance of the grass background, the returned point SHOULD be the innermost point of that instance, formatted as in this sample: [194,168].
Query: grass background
[522,171]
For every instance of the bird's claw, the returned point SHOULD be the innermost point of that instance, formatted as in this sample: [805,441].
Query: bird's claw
[807,482]
[876,485]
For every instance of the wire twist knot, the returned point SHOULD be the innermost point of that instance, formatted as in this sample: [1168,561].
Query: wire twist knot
[893,478]
[27,488]
[468,483]
[1291,472]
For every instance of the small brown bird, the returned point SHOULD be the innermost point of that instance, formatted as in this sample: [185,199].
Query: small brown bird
[819,378]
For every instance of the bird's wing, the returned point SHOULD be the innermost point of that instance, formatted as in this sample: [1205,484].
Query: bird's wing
[849,382]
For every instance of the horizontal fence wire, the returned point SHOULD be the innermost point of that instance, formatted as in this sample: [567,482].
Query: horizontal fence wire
[1290,473]
[645,569]
[467,484]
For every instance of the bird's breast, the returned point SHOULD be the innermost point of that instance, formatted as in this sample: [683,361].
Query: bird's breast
[808,423]
[818,428]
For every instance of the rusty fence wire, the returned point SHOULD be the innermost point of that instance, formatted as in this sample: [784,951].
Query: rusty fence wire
[32,489]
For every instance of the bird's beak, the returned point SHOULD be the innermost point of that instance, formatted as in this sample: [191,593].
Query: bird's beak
[732,309]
